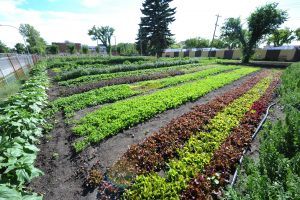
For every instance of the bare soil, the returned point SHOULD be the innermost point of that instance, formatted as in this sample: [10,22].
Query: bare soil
[63,179]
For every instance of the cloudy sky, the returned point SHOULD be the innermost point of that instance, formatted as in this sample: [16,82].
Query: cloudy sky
[60,20]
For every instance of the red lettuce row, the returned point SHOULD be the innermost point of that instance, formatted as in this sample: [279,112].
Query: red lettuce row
[217,174]
[153,153]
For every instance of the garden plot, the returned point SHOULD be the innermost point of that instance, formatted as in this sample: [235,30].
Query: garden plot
[155,135]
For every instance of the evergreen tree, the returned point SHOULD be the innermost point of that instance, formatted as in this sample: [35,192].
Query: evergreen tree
[154,35]
[142,44]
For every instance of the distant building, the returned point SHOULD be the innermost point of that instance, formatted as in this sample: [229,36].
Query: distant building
[102,49]
[62,47]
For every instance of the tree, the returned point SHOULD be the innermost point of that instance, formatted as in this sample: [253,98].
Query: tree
[52,49]
[174,44]
[3,48]
[231,41]
[297,33]
[126,49]
[280,37]
[97,49]
[263,21]
[85,49]
[104,34]
[219,44]
[36,43]
[71,48]
[20,48]
[142,40]
[154,34]
[196,43]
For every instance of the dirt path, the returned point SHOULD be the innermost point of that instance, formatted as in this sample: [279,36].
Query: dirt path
[62,180]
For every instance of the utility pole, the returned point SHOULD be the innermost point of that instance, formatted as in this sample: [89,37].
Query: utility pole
[213,35]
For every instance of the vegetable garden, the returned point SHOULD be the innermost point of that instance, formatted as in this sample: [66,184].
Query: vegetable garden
[141,128]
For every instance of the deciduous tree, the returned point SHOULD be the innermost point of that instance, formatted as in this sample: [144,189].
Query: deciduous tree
[85,49]
[20,48]
[71,48]
[52,49]
[263,21]
[196,43]
[281,36]
[104,34]
[3,48]
[36,43]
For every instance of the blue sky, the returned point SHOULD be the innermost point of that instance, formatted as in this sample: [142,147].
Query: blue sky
[79,6]
[60,20]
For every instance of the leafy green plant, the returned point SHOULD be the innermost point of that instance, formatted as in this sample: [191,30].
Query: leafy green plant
[155,151]
[113,93]
[197,152]
[111,119]
[210,182]
[99,77]
[277,174]
[84,71]
[21,120]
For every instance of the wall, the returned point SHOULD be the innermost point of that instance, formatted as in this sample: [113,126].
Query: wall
[260,54]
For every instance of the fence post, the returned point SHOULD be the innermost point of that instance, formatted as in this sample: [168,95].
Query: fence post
[3,75]
[19,61]
[12,65]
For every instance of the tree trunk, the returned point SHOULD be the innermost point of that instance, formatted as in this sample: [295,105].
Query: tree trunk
[247,53]
[246,59]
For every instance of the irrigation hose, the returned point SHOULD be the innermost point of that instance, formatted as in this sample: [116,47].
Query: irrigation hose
[252,138]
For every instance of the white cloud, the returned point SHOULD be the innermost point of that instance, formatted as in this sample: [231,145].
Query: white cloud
[192,19]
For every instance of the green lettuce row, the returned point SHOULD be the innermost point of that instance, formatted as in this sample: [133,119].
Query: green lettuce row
[111,119]
[21,120]
[100,77]
[197,152]
[76,62]
[119,68]
[113,93]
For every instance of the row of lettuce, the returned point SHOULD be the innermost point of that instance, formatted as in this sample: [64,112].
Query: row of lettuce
[111,119]
[21,123]
[94,69]
[166,164]
[85,74]
[197,152]
[277,173]
[113,93]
